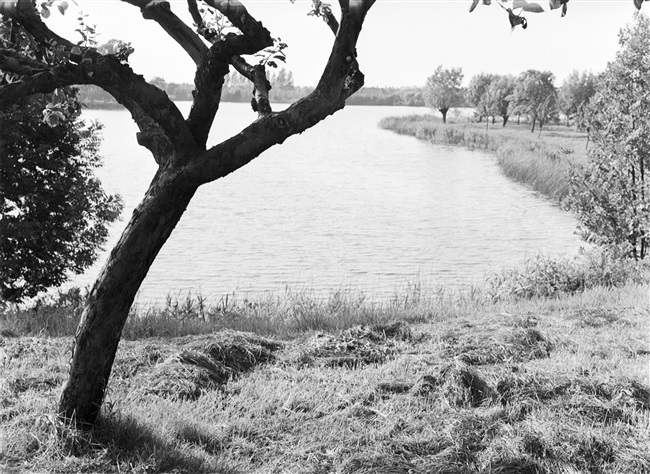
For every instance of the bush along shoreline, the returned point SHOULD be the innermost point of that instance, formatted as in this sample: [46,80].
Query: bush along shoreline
[539,161]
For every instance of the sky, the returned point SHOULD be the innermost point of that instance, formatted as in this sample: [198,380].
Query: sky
[402,41]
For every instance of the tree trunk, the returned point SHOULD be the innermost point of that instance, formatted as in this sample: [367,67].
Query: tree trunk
[444,114]
[532,130]
[493,119]
[107,307]
[505,120]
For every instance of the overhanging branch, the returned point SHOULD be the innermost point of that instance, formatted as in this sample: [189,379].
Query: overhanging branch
[339,81]
[14,62]
[105,71]
[160,12]
[211,72]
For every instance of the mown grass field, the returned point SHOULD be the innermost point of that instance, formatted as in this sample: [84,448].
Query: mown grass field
[430,383]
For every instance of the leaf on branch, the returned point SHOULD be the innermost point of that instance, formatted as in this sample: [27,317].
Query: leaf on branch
[63,6]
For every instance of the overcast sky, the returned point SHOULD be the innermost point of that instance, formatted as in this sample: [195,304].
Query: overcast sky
[402,42]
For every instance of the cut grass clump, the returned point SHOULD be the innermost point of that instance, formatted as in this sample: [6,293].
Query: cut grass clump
[510,345]
[206,363]
[355,347]
[457,384]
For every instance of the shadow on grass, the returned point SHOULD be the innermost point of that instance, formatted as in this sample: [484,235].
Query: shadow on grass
[122,444]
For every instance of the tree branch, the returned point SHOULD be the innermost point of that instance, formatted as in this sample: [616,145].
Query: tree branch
[339,81]
[257,75]
[12,61]
[160,12]
[104,71]
[241,19]
[211,72]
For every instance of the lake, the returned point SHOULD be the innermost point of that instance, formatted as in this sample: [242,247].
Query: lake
[344,205]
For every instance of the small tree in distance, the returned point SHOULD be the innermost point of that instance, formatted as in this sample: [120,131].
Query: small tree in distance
[575,94]
[535,95]
[499,96]
[477,95]
[443,90]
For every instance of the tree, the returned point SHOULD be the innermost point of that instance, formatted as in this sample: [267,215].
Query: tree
[283,79]
[499,96]
[47,161]
[476,93]
[443,90]
[535,95]
[611,195]
[177,143]
[575,94]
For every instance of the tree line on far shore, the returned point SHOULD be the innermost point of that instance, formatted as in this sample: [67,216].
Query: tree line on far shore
[239,89]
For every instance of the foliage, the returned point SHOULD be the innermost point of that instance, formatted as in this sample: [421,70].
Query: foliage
[575,94]
[54,211]
[500,95]
[443,90]
[548,277]
[535,95]
[477,95]
[611,195]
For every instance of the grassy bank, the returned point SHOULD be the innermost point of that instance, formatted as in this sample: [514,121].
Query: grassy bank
[541,162]
[537,371]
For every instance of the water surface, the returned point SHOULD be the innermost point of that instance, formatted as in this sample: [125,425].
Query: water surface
[343,204]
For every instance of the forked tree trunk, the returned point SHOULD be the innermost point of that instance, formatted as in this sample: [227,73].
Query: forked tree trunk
[444,111]
[108,304]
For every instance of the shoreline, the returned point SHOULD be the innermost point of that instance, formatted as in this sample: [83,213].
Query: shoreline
[540,162]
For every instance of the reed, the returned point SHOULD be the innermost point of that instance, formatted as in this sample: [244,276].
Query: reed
[539,161]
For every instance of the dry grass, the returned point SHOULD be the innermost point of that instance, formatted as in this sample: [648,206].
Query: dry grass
[517,386]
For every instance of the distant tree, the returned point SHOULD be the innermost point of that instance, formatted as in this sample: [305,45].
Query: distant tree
[611,195]
[54,210]
[159,82]
[476,93]
[499,96]
[443,90]
[536,96]
[575,94]
[283,79]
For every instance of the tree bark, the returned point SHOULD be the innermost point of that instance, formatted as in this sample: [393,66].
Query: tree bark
[109,302]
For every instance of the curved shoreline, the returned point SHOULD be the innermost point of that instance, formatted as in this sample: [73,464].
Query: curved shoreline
[543,162]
